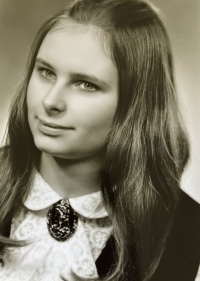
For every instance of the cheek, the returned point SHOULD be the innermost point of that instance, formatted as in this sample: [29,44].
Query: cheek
[30,100]
[97,116]
[34,93]
[31,90]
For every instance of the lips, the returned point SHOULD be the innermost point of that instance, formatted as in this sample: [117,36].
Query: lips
[53,125]
[52,129]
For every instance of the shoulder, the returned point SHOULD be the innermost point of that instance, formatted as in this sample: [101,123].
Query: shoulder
[188,212]
[181,257]
[187,218]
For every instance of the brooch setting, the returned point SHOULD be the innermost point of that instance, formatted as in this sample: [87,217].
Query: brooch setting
[62,220]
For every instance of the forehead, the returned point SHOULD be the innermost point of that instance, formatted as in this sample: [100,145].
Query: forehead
[72,41]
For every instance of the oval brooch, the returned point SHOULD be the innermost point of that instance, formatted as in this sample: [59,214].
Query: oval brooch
[62,220]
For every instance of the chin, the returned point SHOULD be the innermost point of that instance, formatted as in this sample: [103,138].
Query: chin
[55,150]
[65,151]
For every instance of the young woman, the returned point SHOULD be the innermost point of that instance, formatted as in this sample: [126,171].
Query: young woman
[95,148]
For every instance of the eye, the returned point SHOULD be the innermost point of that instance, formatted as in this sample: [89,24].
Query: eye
[47,73]
[87,86]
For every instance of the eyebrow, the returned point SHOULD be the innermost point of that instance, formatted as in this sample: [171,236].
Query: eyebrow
[44,63]
[77,76]
[90,78]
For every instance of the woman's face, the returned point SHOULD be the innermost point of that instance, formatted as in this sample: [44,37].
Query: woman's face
[72,94]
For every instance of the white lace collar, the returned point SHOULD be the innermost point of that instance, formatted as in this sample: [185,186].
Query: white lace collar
[42,196]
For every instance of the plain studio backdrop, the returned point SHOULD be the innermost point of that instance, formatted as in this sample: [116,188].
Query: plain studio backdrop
[21,19]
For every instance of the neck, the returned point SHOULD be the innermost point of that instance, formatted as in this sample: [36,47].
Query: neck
[71,178]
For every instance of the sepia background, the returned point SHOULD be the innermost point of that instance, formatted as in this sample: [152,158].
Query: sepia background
[21,19]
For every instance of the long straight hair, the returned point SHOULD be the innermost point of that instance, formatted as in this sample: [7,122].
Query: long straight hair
[147,148]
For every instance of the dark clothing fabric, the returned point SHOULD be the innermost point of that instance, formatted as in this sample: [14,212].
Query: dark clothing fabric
[181,257]
[106,260]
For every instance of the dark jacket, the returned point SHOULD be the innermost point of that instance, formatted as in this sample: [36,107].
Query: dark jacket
[181,257]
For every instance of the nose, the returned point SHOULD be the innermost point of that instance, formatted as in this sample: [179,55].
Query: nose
[54,102]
